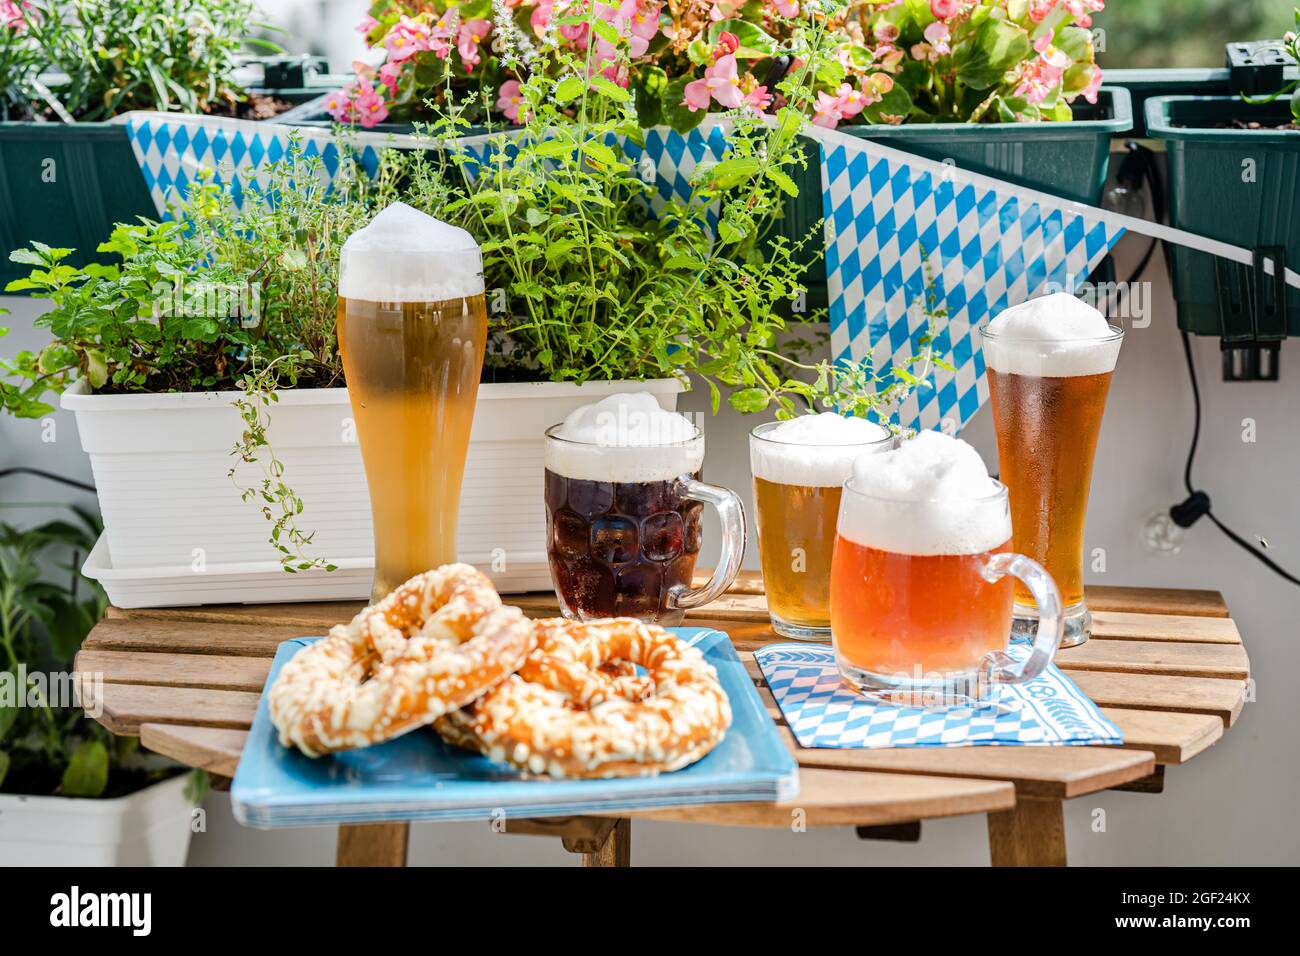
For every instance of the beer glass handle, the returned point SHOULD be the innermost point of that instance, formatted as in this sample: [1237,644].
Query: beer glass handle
[1051,624]
[732,514]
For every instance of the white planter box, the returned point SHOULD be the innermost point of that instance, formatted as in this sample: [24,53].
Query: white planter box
[177,531]
[147,828]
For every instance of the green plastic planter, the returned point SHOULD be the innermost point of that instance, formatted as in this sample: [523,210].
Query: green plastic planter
[65,185]
[1238,186]
[1065,159]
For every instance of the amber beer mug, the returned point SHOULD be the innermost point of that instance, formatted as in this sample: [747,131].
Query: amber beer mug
[1049,363]
[624,502]
[921,579]
[412,326]
[799,468]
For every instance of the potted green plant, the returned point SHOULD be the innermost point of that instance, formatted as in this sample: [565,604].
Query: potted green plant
[1239,154]
[71,793]
[67,68]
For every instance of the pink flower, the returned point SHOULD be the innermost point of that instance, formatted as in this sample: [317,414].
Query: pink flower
[1050,53]
[370,107]
[509,99]
[786,8]
[442,32]
[340,107]
[728,43]
[389,74]
[15,15]
[367,24]
[472,33]
[406,39]
[826,111]
[721,82]
[937,35]
[644,26]
[758,98]
[540,18]
[851,102]
[943,9]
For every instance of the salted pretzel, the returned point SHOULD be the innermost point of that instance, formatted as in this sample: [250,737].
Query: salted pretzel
[433,645]
[561,716]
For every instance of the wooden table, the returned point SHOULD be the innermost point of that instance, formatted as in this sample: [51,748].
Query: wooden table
[1168,667]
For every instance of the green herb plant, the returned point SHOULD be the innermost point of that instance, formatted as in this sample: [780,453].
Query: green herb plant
[121,55]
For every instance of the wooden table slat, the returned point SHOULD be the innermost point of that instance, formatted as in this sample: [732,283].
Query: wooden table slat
[1173,658]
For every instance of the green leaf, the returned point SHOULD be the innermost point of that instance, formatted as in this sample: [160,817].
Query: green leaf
[897,102]
[610,90]
[27,257]
[1074,42]
[4,767]
[8,714]
[599,152]
[197,786]
[87,772]
[748,400]
[995,48]
[568,89]
[679,116]
[731,173]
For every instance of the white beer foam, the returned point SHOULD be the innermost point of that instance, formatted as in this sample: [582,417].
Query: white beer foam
[812,450]
[931,495]
[625,437]
[405,255]
[1053,335]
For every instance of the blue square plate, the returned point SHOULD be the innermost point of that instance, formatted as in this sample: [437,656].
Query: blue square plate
[419,777]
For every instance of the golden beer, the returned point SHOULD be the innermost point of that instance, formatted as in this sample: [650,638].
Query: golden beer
[1050,362]
[412,328]
[413,371]
[1047,435]
[921,591]
[799,469]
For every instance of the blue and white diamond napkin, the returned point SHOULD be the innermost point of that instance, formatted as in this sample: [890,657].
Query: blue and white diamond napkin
[824,712]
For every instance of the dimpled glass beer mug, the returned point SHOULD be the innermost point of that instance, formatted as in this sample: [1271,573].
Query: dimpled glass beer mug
[623,507]
[412,326]
[921,579]
[1049,368]
[799,468]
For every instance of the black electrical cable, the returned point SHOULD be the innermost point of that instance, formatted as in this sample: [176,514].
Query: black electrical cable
[48,475]
[1186,513]
[1203,507]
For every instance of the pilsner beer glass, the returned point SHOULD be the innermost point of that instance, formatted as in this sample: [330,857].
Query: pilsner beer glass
[799,470]
[623,523]
[921,598]
[412,327]
[1048,393]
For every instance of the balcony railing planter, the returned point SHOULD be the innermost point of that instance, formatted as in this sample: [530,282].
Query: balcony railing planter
[1069,160]
[150,827]
[177,532]
[1236,185]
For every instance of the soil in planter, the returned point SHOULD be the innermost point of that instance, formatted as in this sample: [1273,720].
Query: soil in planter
[1244,124]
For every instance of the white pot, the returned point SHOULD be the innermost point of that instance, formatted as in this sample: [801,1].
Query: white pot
[178,532]
[148,828]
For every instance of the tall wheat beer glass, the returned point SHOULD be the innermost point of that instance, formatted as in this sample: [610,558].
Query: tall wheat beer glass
[1049,365]
[412,326]
[800,467]
[921,579]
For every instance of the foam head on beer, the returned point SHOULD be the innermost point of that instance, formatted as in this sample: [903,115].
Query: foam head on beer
[931,495]
[625,437]
[813,450]
[1055,335]
[405,255]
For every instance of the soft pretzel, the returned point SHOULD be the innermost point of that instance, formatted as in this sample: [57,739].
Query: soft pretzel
[433,645]
[560,715]
[620,678]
